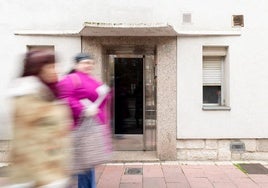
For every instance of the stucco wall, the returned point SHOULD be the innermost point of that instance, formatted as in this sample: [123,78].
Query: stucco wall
[247,89]
[62,14]
[248,53]
[65,49]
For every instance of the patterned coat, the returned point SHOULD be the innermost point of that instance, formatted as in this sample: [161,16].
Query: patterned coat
[41,127]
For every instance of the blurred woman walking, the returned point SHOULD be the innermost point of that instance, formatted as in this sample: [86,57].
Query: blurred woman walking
[87,98]
[39,157]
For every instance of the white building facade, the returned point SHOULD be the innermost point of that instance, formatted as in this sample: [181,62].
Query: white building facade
[203,69]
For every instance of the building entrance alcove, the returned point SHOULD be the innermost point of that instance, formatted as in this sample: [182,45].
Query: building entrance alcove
[132,77]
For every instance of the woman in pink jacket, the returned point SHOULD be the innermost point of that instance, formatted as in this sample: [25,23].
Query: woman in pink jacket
[82,92]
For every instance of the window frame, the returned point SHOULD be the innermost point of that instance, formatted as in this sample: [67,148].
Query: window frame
[217,52]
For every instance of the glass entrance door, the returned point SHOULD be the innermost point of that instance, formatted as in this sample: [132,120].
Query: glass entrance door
[133,117]
[128,96]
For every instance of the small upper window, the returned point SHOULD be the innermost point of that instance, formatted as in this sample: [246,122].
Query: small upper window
[40,47]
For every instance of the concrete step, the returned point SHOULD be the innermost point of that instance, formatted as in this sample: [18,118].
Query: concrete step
[134,156]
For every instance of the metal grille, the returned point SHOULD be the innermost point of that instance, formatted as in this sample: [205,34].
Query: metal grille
[238,20]
[133,171]
[237,146]
[187,18]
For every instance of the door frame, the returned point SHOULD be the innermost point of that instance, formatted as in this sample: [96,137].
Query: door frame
[107,71]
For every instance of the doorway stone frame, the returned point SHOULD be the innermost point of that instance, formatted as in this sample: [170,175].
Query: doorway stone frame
[166,57]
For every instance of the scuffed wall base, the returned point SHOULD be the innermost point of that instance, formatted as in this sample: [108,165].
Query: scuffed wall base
[197,150]
[219,150]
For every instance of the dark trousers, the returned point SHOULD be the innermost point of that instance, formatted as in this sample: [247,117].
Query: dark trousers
[87,179]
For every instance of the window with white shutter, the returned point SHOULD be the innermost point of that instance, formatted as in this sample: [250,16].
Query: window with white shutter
[213,75]
[212,71]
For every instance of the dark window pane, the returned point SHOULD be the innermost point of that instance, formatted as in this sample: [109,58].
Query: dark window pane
[212,94]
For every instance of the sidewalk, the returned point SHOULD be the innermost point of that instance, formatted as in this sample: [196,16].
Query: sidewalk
[175,175]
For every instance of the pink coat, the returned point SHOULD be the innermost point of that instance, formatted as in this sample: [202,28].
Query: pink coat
[77,86]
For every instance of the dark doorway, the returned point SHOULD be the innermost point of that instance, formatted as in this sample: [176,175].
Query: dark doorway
[128,74]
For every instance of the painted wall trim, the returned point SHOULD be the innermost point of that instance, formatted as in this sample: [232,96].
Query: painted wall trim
[66,33]
[186,33]
[127,29]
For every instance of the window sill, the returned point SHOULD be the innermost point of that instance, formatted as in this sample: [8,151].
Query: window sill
[216,108]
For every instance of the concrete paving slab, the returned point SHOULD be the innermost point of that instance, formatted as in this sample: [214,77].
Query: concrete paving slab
[164,175]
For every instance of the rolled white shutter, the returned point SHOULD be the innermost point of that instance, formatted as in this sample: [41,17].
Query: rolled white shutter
[212,71]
